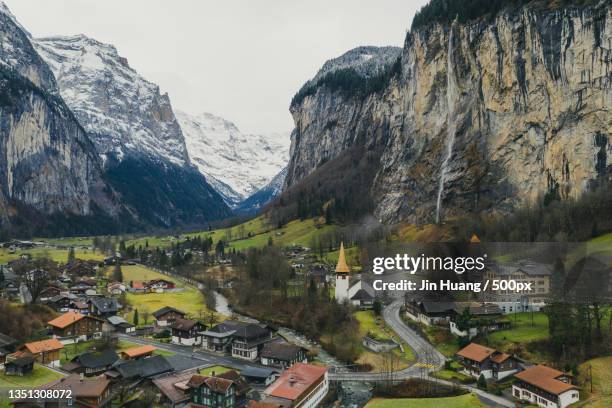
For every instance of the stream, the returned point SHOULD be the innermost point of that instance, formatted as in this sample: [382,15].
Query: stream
[353,394]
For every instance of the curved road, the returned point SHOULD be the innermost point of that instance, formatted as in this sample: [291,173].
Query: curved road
[428,359]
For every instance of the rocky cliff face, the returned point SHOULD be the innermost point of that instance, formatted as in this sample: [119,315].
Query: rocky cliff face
[133,127]
[47,163]
[479,116]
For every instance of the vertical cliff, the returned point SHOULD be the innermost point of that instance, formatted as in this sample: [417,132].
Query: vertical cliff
[47,163]
[485,115]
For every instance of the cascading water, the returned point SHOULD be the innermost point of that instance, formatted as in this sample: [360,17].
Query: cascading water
[451,97]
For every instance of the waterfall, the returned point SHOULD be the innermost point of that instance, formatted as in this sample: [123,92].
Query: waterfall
[451,96]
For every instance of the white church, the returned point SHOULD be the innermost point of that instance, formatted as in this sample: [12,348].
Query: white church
[360,294]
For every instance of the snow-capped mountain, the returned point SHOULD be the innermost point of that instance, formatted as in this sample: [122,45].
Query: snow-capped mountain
[264,195]
[236,164]
[123,112]
[134,130]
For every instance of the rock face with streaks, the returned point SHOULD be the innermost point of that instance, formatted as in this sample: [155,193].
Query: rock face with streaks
[48,165]
[482,116]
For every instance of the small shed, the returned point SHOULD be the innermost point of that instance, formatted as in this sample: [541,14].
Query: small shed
[20,366]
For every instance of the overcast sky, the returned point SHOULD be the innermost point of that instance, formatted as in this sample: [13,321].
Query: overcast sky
[242,60]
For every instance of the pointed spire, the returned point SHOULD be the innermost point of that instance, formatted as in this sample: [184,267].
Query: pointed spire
[342,266]
[474,239]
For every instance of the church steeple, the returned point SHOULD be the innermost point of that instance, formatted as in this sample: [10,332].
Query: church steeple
[341,266]
[342,276]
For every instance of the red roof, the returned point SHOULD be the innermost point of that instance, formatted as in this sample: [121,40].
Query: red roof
[43,346]
[475,352]
[139,351]
[66,320]
[545,378]
[296,380]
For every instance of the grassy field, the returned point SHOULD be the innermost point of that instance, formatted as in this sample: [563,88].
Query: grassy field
[190,300]
[39,376]
[462,401]
[523,329]
[216,369]
[451,375]
[369,323]
[602,382]
[58,255]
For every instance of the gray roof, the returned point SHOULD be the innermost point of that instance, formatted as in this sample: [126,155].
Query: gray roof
[281,351]
[97,359]
[167,309]
[362,294]
[144,367]
[115,320]
[525,266]
[7,340]
[257,372]
[105,305]
[181,363]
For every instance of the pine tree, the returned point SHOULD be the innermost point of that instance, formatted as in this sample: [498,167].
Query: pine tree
[482,383]
[135,317]
[117,272]
[71,255]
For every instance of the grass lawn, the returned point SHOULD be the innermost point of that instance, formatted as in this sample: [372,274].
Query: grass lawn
[70,351]
[523,330]
[602,382]
[57,255]
[369,323]
[462,401]
[39,376]
[190,301]
[451,375]
[218,369]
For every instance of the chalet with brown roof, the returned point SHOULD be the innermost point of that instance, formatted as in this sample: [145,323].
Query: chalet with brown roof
[212,392]
[45,351]
[135,353]
[173,388]
[86,392]
[479,360]
[187,332]
[72,326]
[167,315]
[545,387]
[302,385]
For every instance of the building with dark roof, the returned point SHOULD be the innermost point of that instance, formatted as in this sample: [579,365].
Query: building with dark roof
[90,393]
[259,375]
[479,360]
[242,340]
[92,362]
[224,390]
[282,355]
[20,366]
[142,368]
[167,315]
[103,306]
[187,332]
[7,346]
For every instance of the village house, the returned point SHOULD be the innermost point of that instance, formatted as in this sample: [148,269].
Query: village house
[167,315]
[116,288]
[20,366]
[7,346]
[50,292]
[259,375]
[80,268]
[81,288]
[545,387]
[119,324]
[159,285]
[79,306]
[282,355]
[173,388]
[226,390]
[46,352]
[72,327]
[92,362]
[483,316]
[143,368]
[187,332]
[103,306]
[362,295]
[479,360]
[302,385]
[240,339]
[139,352]
[536,274]
[90,393]
[61,302]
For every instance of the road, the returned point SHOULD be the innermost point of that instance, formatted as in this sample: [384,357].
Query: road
[428,359]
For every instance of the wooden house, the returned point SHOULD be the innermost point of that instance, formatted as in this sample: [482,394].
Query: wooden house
[71,327]
[46,352]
